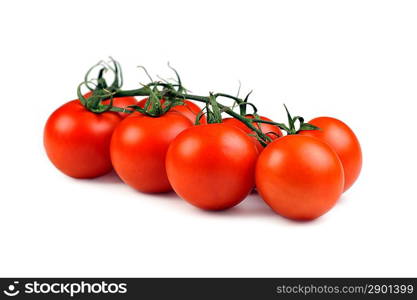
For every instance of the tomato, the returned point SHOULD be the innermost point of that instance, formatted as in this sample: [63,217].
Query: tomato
[299,177]
[77,140]
[189,109]
[272,131]
[342,139]
[121,102]
[138,149]
[212,166]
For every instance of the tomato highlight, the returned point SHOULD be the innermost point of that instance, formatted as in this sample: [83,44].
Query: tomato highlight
[299,177]
[212,166]
[138,149]
[77,141]
[343,141]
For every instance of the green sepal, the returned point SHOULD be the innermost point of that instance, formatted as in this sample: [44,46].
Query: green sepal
[308,126]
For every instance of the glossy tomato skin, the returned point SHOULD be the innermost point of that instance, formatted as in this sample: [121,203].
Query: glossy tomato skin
[121,102]
[77,141]
[344,141]
[138,149]
[272,131]
[299,177]
[189,110]
[212,166]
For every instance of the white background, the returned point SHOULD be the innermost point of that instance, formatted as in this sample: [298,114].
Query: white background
[354,60]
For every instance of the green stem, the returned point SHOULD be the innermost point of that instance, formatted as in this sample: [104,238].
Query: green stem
[174,94]
[131,93]
[145,92]
[280,125]
[230,112]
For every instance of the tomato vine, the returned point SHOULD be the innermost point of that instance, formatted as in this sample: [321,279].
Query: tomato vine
[173,94]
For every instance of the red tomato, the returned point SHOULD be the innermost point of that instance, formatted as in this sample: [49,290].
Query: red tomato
[265,128]
[299,177]
[121,102]
[189,109]
[342,139]
[77,140]
[212,166]
[138,149]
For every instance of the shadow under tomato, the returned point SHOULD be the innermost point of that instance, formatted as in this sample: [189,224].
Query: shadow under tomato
[109,178]
[251,207]
[254,207]
[343,199]
[165,196]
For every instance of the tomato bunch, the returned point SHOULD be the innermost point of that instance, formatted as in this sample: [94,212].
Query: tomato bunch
[166,142]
